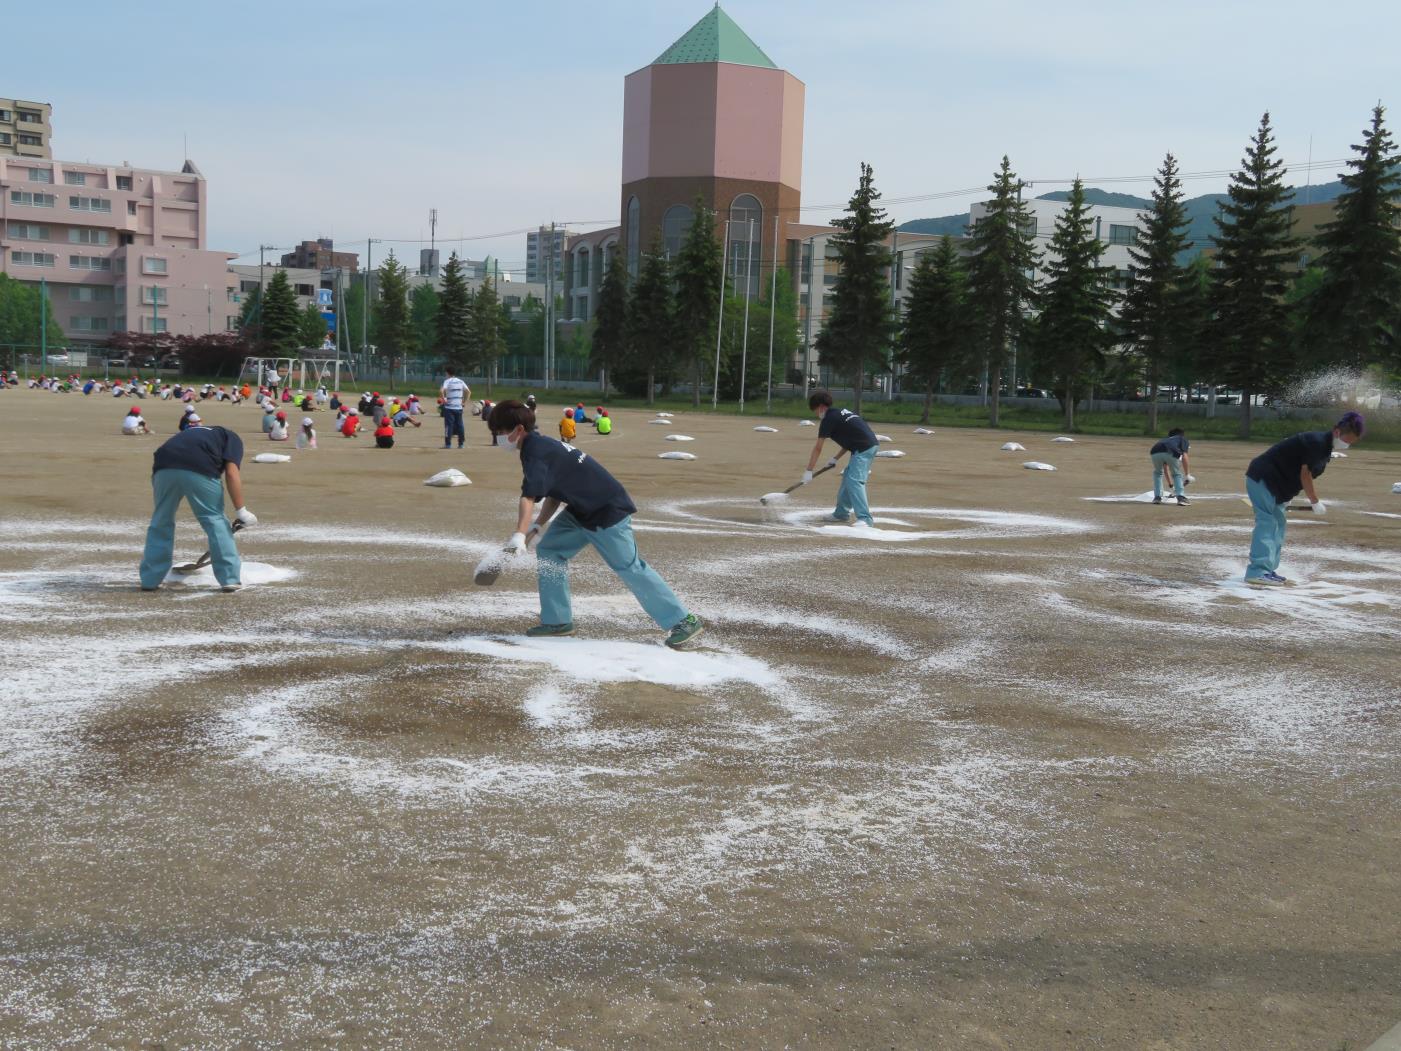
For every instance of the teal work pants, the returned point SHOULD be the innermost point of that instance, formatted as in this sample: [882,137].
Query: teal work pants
[1174,465]
[851,496]
[565,538]
[1267,541]
[206,498]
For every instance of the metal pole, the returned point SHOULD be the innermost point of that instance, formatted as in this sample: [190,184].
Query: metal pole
[773,309]
[209,310]
[720,323]
[894,280]
[44,326]
[365,314]
[748,287]
[807,336]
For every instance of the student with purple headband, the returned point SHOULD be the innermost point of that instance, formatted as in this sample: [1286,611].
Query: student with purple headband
[1276,476]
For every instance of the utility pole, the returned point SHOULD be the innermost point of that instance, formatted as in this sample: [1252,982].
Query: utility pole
[43,326]
[547,349]
[365,314]
[208,310]
[748,287]
[720,322]
[773,310]
[894,301]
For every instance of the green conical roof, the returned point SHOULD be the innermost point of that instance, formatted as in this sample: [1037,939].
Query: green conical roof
[715,38]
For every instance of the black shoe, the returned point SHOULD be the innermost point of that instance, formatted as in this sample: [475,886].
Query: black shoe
[1157,499]
[1182,501]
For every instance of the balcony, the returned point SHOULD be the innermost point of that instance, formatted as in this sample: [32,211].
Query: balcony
[25,149]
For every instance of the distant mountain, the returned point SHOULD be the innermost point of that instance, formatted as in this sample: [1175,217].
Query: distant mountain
[1201,211]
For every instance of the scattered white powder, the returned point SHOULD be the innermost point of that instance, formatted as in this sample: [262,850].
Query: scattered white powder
[253,573]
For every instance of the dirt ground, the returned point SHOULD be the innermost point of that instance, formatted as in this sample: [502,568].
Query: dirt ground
[1021,769]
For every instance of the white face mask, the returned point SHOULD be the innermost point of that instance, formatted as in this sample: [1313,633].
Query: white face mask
[1338,439]
[504,442]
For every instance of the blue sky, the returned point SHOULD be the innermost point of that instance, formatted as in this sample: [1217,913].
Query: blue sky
[354,122]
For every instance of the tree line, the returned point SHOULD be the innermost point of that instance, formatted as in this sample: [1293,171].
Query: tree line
[1254,314]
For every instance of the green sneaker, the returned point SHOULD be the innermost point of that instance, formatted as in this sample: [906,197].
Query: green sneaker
[685,633]
[549,631]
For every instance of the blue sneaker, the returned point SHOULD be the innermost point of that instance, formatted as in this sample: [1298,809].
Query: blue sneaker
[1268,580]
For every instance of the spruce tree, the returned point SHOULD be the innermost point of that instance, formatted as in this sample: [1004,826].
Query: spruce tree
[649,318]
[1154,280]
[1072,333]
[1355,312]
[311,328]
[393,334]
[250,316]
[1254,254]
[423,318]
[697,272]
[453,323]
[858,330]
[487,337]
[610,323]
[936,328]
[1000,268]
[282,320]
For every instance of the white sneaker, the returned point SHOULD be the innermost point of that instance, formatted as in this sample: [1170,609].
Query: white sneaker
[230,588]
[861,523]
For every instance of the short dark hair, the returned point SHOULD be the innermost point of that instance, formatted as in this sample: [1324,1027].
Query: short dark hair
[451,370]
[507,415]
[1352,423]
[1175,432]
[819,397]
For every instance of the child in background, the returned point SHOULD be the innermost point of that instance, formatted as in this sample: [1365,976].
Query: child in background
[487,406]
[335,403]
[402,417]
[306,437]
[384,434]
[351,426]
[269,417]
[604,423]
[185,417]
[580,416]
[278,433]
[133,423]
[567,430]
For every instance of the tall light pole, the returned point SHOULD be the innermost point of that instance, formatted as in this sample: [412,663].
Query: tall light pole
[807,336]
[208,311]
[773,310]
[720,323]
[748,288]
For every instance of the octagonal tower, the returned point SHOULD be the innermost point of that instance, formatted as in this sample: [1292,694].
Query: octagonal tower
[712,117]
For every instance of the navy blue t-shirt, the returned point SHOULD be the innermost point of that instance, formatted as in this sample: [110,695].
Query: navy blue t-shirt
[203,450]
[1279,465]
[553,469]
[1177,444]
[847,429]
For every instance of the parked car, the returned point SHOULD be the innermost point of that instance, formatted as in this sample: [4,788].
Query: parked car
[1032,392]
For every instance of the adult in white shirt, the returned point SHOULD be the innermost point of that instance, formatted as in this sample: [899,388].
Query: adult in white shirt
[454,393]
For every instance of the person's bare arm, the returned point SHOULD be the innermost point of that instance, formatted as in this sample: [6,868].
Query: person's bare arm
[233,481]
[527,511]
[1306,480]
[816,453]
[547,512]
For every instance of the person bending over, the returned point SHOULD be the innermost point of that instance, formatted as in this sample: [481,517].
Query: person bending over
[853,436]
[1275,477]
[582,505]
[1170,455]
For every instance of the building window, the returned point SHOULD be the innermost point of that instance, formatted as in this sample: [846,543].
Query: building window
[156,294]
[89,324]
[89,204]
[4,138]
[32,258]
[154,324]
[746,221]
[1029,228]
[124,182]
[29,232]
[153,264]
[75,178]
[34,200]
[581,268]
[39,174]
[28,116]
[89,262]
[5,115]
[634,234]
[86,235]
[248,286]
[1122,235]
[32,140]
[90,293]
[301,290]
[676,223]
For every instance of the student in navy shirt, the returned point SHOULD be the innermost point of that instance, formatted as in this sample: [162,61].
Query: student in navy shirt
[1170,454]
[852,434]
[1275,477]
[593,508]
[189,467]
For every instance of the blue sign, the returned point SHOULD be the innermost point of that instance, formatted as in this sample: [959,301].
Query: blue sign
[330,320]
[323,297]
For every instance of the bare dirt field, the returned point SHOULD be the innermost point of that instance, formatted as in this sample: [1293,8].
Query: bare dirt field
[1026,767]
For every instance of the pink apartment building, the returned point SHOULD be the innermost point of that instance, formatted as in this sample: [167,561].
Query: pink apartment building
[119,248]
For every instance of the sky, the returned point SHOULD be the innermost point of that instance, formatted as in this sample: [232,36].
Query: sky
[353,120]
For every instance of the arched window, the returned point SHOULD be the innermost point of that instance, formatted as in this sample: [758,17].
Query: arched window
[634,235]
[675,225]
[581,267]
[744,266]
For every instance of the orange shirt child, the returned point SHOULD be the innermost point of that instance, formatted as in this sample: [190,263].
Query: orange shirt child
[567,430]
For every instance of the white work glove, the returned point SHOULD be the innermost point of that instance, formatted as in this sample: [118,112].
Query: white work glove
[1190,479]
[832,462]
[246,516]
[807,477]
[516,545]
[1319,508]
